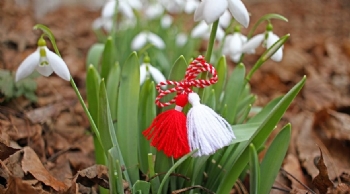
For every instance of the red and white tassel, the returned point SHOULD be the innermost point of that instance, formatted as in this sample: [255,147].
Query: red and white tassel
[207,131]
[168,130]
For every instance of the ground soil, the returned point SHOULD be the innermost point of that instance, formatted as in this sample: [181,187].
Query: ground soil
[51,139]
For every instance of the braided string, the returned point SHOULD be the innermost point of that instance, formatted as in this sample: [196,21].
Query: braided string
[197,66]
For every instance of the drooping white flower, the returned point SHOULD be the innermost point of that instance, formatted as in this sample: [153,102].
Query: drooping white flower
[166,21]
[45,62]
[190,6]
[211,10]
[154,10]
[124,6]
[147,70]
[202,30]
[181,39]
[233,45]
[173,6]
[145,37]
[267,39]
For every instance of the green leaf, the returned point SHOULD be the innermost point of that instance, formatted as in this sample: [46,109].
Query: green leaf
[147,112]
[254,171]
[273,159]
[155,180]
[172,169]
[127,121]
[221,69]
[244,132]
[112,87]
[94,55]
[260,116]
[115,171]
[233,92]
[240,157]
[141,187]
[108,58]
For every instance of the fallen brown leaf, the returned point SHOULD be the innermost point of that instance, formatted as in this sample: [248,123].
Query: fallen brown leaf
[321,181]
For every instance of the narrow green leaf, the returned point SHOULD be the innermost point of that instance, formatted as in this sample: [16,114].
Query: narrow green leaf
[273,159]
[260,116]
[127,121]
[92,90]
[94,55]
[155,180]
[254,175]
[108,58]
[162,164]
[233,92]
[112,86]
[115,172]
[221,69]
[141,187]
[241,155]
[172,169]
[147,112]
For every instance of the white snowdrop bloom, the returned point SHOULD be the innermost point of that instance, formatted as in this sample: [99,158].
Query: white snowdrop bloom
[105,23]
[154,10]
[145,37]
[173,6]
[166,21]
[267,39]
[211,10]
[190,6]
[233,46]
[181,39]
[147,70]
[124,6]
[225,19]
[45,62]
[202,30]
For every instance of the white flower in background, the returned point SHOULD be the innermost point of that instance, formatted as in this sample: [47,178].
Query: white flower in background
[147,70]
[105,23]
[154,10]
[45,62]
[173,6]
[267,39]
[145,37]
[166,21]
[190,6]
[233,45]
[202,30]
[124,6]
[211,10]
[181,39]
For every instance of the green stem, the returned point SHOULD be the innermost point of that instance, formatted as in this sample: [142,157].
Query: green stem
[209,52]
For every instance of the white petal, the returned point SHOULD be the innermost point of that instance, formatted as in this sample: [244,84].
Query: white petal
[143,73]
[213,9]
[28,65]
[239,12]
[253,43]
[156,74]
[136,4]
[181,39]
[235,58]
[220,33]
[235,44]
[126,10]
[139,41]
[108,9]
[166,21]
[225,19]
[271,39]
[97,23]
[155,40]
[198,14]
[58,65]
[200,30]
[45,70]
[190,6]
[154,11]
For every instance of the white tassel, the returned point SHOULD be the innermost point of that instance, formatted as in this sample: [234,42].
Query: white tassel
[207,131]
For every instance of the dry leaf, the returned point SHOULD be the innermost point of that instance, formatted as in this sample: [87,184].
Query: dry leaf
[321,181]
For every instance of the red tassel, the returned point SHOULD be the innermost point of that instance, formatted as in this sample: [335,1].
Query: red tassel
[168,130]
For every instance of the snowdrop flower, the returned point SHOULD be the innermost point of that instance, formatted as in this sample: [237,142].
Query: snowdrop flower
[181,39]
[166,21]
[147,70]
[211,10]
[45,62]
[233,45]
[173,6]
[142,38]
[202,30]
[267,39]
[190,6]
[124,6]
[154,10]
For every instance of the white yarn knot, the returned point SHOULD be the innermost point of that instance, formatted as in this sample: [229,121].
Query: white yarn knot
[207,131]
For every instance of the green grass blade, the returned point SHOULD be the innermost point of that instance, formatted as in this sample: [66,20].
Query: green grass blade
[233,92]
[147,112]
[260,116]
[155,180]
[273,159]
[221,69]
[94,55]
[141,187]
[112,86]
[162,164]
[127,120]
[115,172]
[254,170]
[240,157]
[108,58]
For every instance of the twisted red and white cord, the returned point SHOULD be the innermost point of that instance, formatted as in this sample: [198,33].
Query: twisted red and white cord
[196,67]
